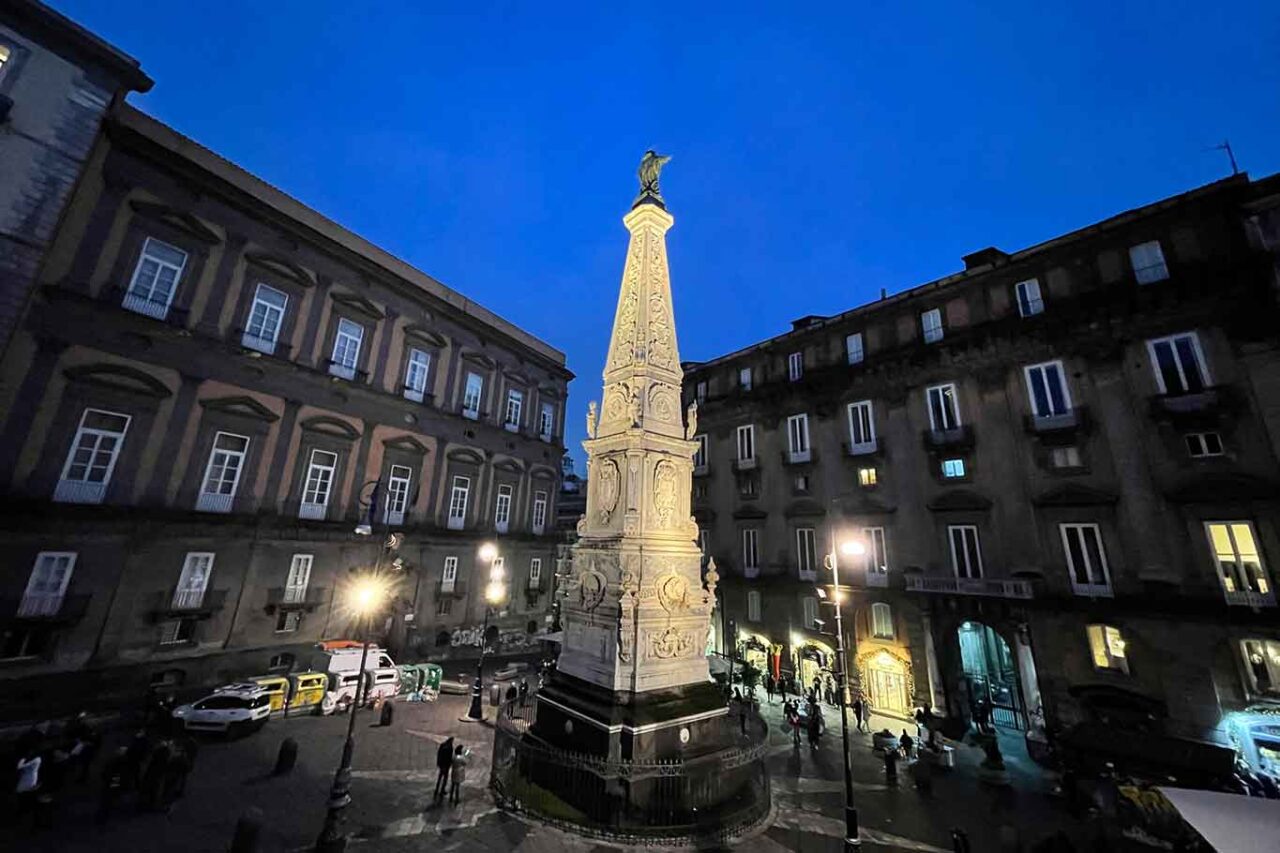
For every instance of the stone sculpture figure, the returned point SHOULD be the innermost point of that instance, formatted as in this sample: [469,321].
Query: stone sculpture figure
[692,417]
[591,419]
[650,168]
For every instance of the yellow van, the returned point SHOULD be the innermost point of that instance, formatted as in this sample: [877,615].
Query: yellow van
[308,689]
[277,687]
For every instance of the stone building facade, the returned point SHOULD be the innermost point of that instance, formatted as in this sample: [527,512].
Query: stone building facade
[196,407]
[57,81]
[1062,463]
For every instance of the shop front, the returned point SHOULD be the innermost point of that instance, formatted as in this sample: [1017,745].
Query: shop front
[887,678]
[814,661]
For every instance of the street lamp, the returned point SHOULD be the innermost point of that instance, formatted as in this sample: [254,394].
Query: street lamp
[494,593]
[850,548]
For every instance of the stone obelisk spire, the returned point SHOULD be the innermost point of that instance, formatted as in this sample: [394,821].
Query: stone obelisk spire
[636,611]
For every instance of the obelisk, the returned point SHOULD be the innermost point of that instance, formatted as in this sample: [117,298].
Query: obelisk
[632,678]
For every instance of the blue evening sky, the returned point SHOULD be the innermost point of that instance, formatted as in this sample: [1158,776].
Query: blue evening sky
[821,152]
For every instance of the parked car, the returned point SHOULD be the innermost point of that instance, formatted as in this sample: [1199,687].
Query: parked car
[234,709]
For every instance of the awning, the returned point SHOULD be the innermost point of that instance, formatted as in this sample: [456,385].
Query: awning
[1232,823]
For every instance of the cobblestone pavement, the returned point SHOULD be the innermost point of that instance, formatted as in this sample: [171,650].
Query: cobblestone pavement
[394,774]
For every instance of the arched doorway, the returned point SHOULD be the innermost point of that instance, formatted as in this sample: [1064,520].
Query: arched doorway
[815,660]
[990,674]
[888,681]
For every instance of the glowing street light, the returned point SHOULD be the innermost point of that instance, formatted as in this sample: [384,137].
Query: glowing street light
[495,592]
[851,548]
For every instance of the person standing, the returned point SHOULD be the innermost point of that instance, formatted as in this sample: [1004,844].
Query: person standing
[511,696]
[866,712]
[444,762]
[857,711]
[768,686]
[524,692]
[458,774]
[27,786]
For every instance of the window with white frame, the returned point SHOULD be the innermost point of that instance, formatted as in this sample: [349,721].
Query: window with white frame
[458,493]
[471,394]
[222,473]
[868,477]
[700,391]
[1201,444]
[700,455]
[194,580]
[346,348]
[1047,388]
[416,368]
[1065,457]
[876,556]
[47,585]
[806,550]
[801,483]
[881,621]
[399,479]
[862,427]
[749,486]
[954,469]
[288,620]
[547,422]
[449,576]
[266,317]
[810,606]
[1107,648]
[539,512]
[1262,663]
[1148,262]
[1178,363]
[853,348]
[966,554]
[1240,569]
[704,541]
[1028,296]
[92,458]
[295,584]
[318,484]
[931,325]
[535,571]
[502,509]
[515,406]
[753,605]
[798,437]
[750,548]
[155,279]
[1086,559]
[795,366]
[944,414]
[746,436]
[744,378]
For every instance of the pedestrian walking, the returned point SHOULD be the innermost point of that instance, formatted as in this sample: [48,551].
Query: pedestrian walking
[907,743]
[85,741]
[511,696]
[444,761]
[857,711]
[458,773]
[769,686]
[524,691]
[814,726]
[866,713]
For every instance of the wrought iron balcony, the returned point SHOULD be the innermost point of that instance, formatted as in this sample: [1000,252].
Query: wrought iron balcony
[1068,421]
[451,589]
[511,426]
[798,457]
[957,437]
[142,305]
[79,492]
[988,587]
[215,503]
[306,598]
[862,448]
[471,414]
[744,464]
[312,511]
[264,345]
[1250,598]
[413,394]
[1206,403]
[877,579]
[53,609]
[181,603]
[347,372]
[1091,590]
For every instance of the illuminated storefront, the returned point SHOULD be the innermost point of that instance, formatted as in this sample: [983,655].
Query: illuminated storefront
[887,677]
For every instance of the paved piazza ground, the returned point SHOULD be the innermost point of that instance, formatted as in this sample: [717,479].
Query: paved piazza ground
[395,773]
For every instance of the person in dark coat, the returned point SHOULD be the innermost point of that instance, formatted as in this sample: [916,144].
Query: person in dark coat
[444,762]
[857,711]
[524,692]
[769,686]
[511,695]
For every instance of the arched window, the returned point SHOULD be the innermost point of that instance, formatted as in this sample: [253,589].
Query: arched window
[882,621]
[282,662]
[443,638]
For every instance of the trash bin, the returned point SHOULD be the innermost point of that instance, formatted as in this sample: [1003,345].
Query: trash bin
[495,695]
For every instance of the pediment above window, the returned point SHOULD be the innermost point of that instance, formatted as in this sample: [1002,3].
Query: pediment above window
[548,392]
[1224,488]
[960,500]
[865,505]
[120,378]
[358,304]
[174,218]
[423,335]
[281,267]
[478,358]
[541,472]
[704,515]
[511,466]
[246,407]
[750,512]
[466,456]
[327,425]
[804,507]
[516,378]
[1074,494]
[407,443]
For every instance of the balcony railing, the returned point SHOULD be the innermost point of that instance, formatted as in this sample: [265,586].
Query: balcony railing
[312,511]
[456,522]
[501,526]
[1092,590]
[961,436]
[79,492]
[1069,420]
[267,346]
[46,608]
[990,587]
[1250,598]
[214,503]
[471,414]
[453,588]
[177,603]
[744,464]
[861,448]
[877,578]
[751,571]
[511,426]
[394,517]
[295,597]
[342,371]
[413,394]
[797,457]
[143,305]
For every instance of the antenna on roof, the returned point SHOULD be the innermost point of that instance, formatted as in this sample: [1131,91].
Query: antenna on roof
[1226,146]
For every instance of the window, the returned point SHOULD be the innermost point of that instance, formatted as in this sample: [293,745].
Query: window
[471,396]
[798,438]
[744,378]
[92,459]
[265,319]
[1048,390]
[1201,444]
[177,631]
[1262,663]
[881,621]
[1028,295]
[806,551]
[282,662]
[795,366]
[699,491]
[700,455]
[700,391]
[547,422]
[449,576]
[1240,569]
[222,474]
[853,348]
[751,548]
[704,541]
[931,325]
[1106,646]
[810,605]
[748,486]
[515,403]
[502,509]
[192,582]
[444,606]
[1178,364]
[953,469]
[346,349]
[399,478]
[966,556]
[1148,262]
[295,585]
[288,620]
[535,571]
[753,605]
[943,413]
[867,477]
[539,512]
[319,482]
[458,503]
[1065,457]
[801,483]
[877,555]
[747,443]
[47,584]
[862,429]
[1086,559]
[154,279]
[415,375]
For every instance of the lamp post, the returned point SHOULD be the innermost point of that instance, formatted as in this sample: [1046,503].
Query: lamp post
[851,840]
[494,593]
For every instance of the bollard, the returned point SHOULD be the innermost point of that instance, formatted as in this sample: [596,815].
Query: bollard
[247,830]
[286,757]
[387,714]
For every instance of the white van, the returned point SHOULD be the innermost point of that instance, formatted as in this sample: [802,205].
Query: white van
[341,660]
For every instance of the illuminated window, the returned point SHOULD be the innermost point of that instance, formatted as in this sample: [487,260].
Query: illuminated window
[931,325]
[882,621]
[1107,646]
[1148,262]
[1240,569]
[953,469]
[866,477]
[1201,444]
[753,605]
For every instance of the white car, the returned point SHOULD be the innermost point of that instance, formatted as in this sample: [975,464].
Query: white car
[235,709]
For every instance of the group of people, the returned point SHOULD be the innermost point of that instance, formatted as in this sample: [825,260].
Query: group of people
[44,760]
[451,767]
